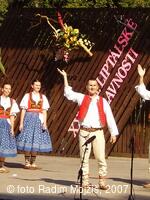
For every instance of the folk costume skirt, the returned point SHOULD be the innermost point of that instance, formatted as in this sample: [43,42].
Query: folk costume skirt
[7,141]
[33,138]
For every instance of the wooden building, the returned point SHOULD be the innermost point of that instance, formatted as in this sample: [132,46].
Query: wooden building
[122,40]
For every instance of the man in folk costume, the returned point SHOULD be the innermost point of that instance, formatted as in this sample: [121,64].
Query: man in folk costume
[8,110]
[94,113]
[144,93]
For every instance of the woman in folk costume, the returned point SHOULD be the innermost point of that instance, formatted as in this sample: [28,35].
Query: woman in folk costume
[8,110]
[145,94]
[34,136]
[94,113]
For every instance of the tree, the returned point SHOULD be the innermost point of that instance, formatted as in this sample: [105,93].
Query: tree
[135,3]
[3,10]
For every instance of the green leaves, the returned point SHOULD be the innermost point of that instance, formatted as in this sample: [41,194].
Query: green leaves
[2,68]
[3,10]
[74,3]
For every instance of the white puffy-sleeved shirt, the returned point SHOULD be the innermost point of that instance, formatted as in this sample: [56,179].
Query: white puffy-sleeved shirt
[36,98]
[6,103]
[143,92]
[91,119]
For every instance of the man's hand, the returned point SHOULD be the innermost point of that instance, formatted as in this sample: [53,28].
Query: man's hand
[62,72]
[113,139]
[141,71]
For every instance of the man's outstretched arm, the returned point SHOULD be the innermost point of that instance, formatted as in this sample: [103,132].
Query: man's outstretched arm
[141,89]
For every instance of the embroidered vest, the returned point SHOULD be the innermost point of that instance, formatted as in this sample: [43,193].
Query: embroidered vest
[84,108]
[32,106]
[5,113]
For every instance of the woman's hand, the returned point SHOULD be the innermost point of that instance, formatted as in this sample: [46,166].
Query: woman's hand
[12,132]
[44,126]
[21,127]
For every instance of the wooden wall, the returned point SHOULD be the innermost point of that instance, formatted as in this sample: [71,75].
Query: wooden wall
[28,54]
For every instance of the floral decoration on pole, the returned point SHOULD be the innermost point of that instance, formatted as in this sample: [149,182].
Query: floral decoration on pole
[66,38]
